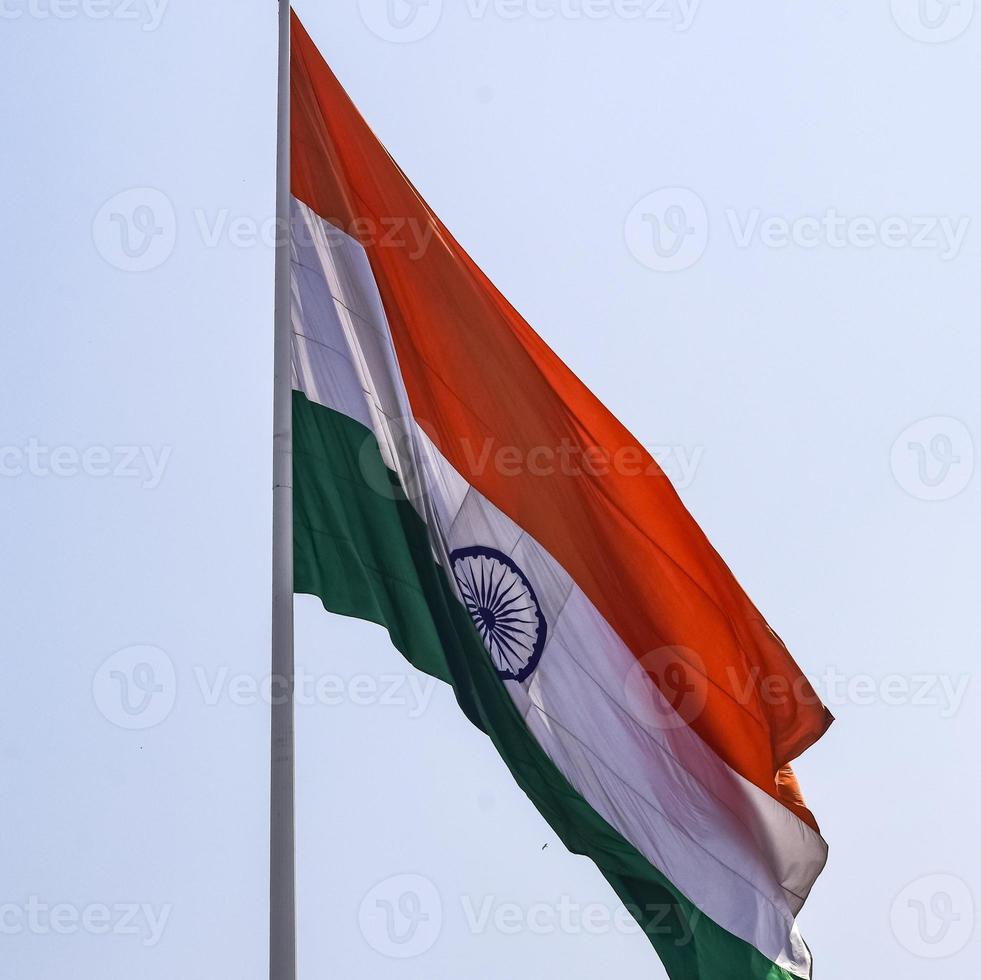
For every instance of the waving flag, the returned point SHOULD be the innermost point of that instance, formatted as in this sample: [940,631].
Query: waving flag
[457,484]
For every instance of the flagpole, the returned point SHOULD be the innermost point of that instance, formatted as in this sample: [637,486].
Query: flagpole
[282,846]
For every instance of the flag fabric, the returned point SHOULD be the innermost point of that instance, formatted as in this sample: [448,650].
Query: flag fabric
[456,483]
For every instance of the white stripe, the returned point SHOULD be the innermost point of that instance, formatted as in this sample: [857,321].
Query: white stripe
[739,855]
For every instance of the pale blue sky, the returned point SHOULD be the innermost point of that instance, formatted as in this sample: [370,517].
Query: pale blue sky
[806,362]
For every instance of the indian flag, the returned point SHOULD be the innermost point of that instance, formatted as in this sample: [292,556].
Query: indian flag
[456,483]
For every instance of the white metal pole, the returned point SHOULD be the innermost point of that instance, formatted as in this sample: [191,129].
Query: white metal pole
[282,847]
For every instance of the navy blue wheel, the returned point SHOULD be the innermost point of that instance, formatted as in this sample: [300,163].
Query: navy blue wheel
[503,607]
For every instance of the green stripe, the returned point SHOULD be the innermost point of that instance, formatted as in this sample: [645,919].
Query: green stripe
[365,553]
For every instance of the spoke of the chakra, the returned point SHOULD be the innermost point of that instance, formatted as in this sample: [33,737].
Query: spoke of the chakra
[514,615]
[508,652]
[504,626]
[477,606]
[473,582]
[508,618]
[461,578]
[505,644]
[511,602]
[483,585]
[505,651]
[513,642]
[464,584]
[511,628]
[496,598]
[507,648]
[467,594]
[511,588]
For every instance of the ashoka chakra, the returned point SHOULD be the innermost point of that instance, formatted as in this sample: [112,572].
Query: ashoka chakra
[504,608]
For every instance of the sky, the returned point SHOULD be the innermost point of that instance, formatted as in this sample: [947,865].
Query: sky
[749,228]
